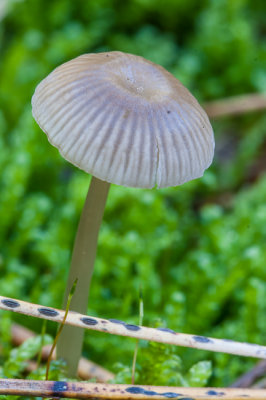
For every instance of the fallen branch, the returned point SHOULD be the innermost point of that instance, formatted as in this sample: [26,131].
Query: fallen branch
[235,105]
[84,390]
[247,379]
[261,384]
[116,327]
[86,369]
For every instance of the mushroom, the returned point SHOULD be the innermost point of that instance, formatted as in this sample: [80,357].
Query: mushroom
[124,120]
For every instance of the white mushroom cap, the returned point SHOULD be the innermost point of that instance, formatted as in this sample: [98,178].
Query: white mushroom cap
[124,120]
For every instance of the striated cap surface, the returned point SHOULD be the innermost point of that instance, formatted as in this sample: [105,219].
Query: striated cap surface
[124,120]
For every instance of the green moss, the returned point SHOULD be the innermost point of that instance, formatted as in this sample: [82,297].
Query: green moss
[198,250]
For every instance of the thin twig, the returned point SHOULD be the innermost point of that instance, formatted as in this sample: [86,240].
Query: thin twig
[84,390]
[86,370]
[116,327]
[247,379]
[261,384]
[235,105]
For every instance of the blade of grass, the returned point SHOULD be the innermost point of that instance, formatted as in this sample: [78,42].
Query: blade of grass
[141,315]
[71,293]
[39,359]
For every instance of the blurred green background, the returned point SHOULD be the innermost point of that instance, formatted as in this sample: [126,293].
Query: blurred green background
[198,251]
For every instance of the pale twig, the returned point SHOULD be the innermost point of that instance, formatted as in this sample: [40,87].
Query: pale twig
[261,384]
[247,379]
[84,390]
[235,105]
[86,370]
[39,359]
[116,327]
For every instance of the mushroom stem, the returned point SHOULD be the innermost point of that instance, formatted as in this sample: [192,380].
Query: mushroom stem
[71,339]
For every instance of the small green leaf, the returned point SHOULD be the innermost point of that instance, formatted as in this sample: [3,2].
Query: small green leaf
[19,356]
[199,373]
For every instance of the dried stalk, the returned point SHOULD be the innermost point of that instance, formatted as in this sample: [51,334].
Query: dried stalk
[84,390]
[86,369]
[235,105]
[116,327]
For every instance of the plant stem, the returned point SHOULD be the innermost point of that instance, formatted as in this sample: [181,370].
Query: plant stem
[70,342]
[50,357]
[141,315]
[39,359]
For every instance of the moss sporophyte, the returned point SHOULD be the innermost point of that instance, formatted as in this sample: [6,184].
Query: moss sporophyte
[124,120]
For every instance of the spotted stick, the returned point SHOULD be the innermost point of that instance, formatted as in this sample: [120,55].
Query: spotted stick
[117,327]
[85,390]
